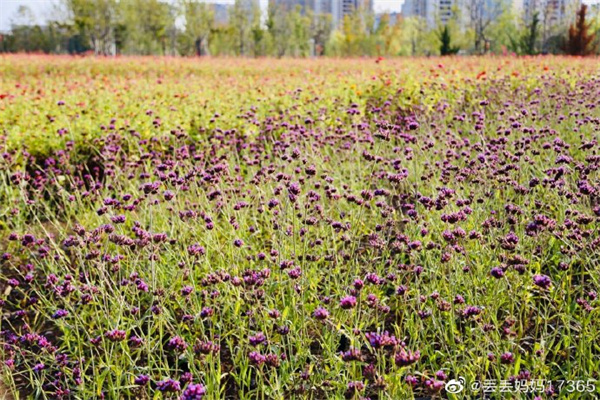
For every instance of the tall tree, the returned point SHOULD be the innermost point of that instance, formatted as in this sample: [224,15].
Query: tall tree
[580,40]
[446,47]
[320,30]
[94,20]
[530,39]
[241,23]
[199,19]
[482,14]
[279,29]
[527,43]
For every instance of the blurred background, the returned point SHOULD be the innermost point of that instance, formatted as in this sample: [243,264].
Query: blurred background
[300,28]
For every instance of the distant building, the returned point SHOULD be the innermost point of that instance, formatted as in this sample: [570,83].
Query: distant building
[337,8]
[432,11]
[550,12]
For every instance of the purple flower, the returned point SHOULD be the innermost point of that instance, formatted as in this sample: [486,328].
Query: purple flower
[135,341]
[295,273]
[39,367]
[256,358]
[257,339]
[321,313]
[348,302]
[207,347]
[273,360]
[379,340]
[404,358]
[441,375]
[177,343]
[168,195]
[60,313]
[168,385]
[186,290]
[507,358]
[294,188]
[206,312]
[352,355]
[542,281]
[141,380]
[118,219]
[497,272]
[358,284]
[116,335]
[238,242]
[13,282]
[196,250]
[353,388]
[194,391]
[186,377]
[471,310]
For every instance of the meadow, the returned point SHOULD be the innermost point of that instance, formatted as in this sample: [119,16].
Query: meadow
[176,228]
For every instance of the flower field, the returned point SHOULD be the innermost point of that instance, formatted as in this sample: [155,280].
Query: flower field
[299,229]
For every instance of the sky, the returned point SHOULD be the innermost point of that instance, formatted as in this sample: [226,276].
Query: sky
[43,8]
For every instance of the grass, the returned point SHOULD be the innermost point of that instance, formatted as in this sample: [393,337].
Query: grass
[191,220]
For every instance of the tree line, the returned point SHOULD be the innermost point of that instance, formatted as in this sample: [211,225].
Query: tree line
[195,27]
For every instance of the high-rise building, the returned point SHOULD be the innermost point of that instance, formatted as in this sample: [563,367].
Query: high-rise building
[337,8]
[317,6]
[550,12]
[432,11]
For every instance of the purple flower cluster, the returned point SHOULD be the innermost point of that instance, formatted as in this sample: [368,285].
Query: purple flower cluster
[359,235]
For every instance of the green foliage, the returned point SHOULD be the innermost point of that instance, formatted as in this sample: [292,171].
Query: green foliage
[189,27]
[527,43]
[411,176]
[446,47]
[199,20]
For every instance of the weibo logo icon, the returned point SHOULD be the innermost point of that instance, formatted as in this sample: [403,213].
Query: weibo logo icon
[455,385]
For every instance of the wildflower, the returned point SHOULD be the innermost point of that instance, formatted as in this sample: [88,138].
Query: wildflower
[196,250]
[257,339]
[507,358]
[168,385]
[380,340]
[135,341]
[348,302]
[256,358]
[321,313]
[272,360]
[194,391]
[206,312]
[542,281]
[207,347]
[497,272]
[353,388]
[39,367]
[351,355]
[168,195]
[177,343]
[404,358]
[186,377]
[141,380]
[60,314]
[116,335]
